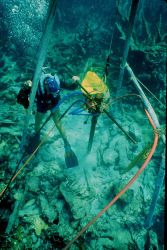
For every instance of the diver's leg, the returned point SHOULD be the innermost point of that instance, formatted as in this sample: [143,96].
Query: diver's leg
[56,116]
[38,119]
[35,138]
[70,157]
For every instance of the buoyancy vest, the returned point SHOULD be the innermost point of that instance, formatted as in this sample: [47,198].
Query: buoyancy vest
[44,95]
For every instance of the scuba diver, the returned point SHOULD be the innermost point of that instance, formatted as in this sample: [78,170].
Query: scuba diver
[47,98]
[97,99]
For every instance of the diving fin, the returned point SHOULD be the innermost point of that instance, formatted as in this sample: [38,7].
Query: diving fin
[70,157]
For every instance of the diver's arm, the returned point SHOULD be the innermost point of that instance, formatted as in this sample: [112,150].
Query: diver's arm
[23,95]
[69,83]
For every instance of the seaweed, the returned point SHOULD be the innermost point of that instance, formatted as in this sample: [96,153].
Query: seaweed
[139,158]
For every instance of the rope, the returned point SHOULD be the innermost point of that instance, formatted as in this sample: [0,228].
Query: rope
[151,93]
[27,161]
[124,96]
[124,189]
[16,173]
[20,161]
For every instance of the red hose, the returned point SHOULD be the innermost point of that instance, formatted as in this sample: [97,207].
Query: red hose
[125,188]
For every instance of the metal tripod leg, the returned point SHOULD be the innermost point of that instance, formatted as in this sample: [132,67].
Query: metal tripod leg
[92,132]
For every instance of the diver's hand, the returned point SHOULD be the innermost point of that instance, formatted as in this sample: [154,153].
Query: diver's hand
[23,95]
[28,83]
[76,78]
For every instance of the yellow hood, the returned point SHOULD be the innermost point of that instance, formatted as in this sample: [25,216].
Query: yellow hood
[93,84]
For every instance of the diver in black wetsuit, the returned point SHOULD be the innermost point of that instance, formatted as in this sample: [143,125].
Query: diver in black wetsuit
[47,98]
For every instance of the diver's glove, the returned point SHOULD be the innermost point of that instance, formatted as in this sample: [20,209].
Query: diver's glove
[23,96]
[70,84]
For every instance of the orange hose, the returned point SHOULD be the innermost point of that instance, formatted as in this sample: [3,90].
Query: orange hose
[125,188]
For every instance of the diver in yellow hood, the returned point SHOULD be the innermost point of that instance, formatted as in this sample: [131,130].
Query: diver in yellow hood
[99,95]
[97,99]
